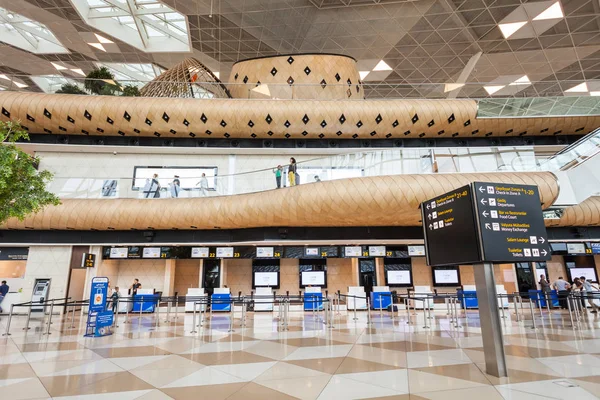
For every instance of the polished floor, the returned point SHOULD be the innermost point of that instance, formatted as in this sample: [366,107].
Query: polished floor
[353,360]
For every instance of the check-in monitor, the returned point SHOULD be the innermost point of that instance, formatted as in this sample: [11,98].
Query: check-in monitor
[446,277]
[264,279]
[398,277]
[313,278]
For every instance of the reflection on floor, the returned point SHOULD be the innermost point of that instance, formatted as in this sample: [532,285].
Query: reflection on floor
[353,360]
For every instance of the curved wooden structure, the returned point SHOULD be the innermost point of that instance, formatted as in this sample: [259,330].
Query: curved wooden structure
[277,119]
[297,76]
[586,213]
[188,79]
[370,201]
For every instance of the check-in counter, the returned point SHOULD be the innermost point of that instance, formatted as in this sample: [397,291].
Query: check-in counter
[193,295]
[144,300]
[357,298]
[469,296]
[263,299]
[221,299]
[425,293]
[125,304]
[313,299]
[381,297]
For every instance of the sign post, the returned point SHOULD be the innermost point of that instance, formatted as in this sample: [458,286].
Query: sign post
[99,320]
[480,224]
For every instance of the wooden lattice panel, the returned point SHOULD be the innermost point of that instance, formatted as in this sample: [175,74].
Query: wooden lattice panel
[277,119]
[308,76]
[185,79]
[586,213]
[370,201]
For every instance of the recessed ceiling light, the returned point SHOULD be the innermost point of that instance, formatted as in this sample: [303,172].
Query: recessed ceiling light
[493,89]
[2,76]
[581,88]
[382,66]
[552,12]
[524,80]
[20,85]
[217,74]
[102,39]
[448,87]
[509,29]
[98,46]
[57,66]
[594,93]
[363,74]
[78,71]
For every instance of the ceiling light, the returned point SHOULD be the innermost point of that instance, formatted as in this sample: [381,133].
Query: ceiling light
[102,39]
[58,67]
[581,88]
[493,89]
[448,87]
[552,12]
[509,29]
[594,93]
[363,74]
[20,85]
[524,80]
[98,46]
[217,74]
[382,66]
[78,71]
[2,76]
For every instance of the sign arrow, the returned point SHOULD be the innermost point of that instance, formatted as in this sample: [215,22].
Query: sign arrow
[544,252]
[542,240]
[481,189]
[485,213]
[429,216]
[430,226]
[427,206]
[483,201]
[488,226]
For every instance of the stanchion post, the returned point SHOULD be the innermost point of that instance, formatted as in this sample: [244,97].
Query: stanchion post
[50,317]
[28,318]
[127,310]
[232,316]
[570,312]
[369,320]
[532,314]
[516,307]
[355,317]
[177,307]
[7,333]
[194,320]
[117,314]
[168,320]
[406,306]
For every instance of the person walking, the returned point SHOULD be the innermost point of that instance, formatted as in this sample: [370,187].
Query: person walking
[175,186]
[292,172]
[114,298]
[546,289]
[277,171]
[4,288]
[203,183]
[562,288]
[588,289]
[152,188]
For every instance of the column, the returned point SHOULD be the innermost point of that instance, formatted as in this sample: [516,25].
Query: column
[169,283]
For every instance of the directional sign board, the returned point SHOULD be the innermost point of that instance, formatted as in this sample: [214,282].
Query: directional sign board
[450,230]
[485,222]
[511,223]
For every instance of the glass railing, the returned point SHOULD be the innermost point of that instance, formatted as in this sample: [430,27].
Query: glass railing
[575,154]
[507,101]
[341,166]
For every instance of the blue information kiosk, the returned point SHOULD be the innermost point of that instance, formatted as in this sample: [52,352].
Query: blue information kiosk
[381,298]
[221,299]
[99,321]
[313,299]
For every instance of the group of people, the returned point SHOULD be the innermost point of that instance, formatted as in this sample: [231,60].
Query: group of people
[580,286]
[153,187]
[292,174]
[116,294]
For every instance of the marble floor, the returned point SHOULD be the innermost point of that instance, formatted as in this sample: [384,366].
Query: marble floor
[351,360]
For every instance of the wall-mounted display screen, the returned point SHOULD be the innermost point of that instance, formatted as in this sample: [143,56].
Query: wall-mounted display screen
[416,251]
[312,251]
[270,279]
[376,251]
[224,252]
[446,277]
[589,273]
[134,252]
[575,248]
[264,252]
[151,252]
[398,277]
[353,251]
[190,178]
[313,278]
[557,247]
[118,252]
[200,252]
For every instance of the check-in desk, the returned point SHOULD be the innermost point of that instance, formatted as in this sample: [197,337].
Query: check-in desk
[144,300]
[359,302]
[221,300]
[425,293]
[193,295]
[263,299]
[381,297]
[125,305]
[313,299]
[468,296]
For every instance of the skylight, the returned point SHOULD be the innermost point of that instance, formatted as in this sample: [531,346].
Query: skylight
[553,12]
[133,74]
[581,88]
[509,29]
[27,34]
[148,25]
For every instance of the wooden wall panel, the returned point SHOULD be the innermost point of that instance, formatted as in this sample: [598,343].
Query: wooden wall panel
[586,213]
[277,119]
[368,201]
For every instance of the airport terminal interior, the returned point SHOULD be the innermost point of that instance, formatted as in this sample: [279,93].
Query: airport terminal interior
[300,199]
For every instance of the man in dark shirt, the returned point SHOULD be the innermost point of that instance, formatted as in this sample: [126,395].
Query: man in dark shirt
[135,286]
[3,292]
